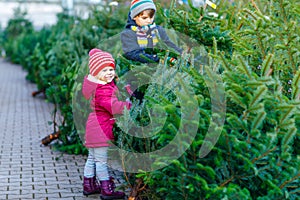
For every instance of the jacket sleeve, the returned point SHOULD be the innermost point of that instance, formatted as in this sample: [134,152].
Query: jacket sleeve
[132,50]
[118,106]
[165,38]
[110,102]
[140,56]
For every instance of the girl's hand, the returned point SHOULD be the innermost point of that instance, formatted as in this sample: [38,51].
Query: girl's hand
[128,88]
[92,78]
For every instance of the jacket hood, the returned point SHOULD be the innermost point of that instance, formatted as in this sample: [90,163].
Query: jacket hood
[130,22]
[88,88]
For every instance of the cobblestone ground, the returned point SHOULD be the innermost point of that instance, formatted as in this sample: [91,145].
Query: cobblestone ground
[29,170]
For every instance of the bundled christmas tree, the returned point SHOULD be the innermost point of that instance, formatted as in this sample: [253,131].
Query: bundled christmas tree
[248,127]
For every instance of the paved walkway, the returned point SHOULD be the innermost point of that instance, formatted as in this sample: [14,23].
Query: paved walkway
[29,170]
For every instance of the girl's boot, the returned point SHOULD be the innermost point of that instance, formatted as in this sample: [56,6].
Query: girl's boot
[97,185]
[108,190]
[91,186]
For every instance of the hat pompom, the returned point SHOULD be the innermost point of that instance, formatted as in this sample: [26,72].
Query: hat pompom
[93,51]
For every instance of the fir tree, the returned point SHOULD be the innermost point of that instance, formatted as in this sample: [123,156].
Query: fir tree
[256,155]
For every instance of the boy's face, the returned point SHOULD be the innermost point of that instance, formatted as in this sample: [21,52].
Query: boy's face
[144,19]
[107,74]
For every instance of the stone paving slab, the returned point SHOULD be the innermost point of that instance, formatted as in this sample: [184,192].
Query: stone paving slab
[29,170]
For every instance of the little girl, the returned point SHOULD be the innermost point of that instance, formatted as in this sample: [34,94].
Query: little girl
[100,88]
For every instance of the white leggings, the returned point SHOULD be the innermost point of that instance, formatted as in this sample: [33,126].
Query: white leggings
[96,164]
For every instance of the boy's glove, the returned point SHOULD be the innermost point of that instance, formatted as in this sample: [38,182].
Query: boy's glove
[171,61]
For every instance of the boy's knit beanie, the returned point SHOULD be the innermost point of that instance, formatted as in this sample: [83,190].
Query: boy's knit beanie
[98,60]
[138,6]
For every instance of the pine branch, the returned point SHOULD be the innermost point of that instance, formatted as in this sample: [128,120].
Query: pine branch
[227,181]
[296,93]
[287,125]
[258,95]
[289,136]
[215,46]
[250,13]
[290,49]
[258,120]
[238,123]
[286,115]
[254,84]
[224,62]
[255,6]
[229,157]
[256,109]
[264,155]
[296,86]
[245,68]
[236,98]
[266,80]
[282,5]
[261,45]
[266,66]
[288,181]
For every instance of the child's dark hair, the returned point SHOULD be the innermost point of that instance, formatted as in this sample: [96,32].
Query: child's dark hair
[150,12]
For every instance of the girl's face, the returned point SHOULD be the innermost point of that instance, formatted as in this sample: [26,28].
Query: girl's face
[144,19]
[107,74]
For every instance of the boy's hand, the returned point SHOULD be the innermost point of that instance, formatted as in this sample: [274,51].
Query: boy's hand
[171,61]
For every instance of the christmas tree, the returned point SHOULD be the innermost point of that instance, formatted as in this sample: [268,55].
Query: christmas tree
[246,141]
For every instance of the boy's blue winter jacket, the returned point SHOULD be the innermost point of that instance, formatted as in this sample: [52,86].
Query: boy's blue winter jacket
[133,51]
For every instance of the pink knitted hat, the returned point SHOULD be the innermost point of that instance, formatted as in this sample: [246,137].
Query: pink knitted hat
[98,60]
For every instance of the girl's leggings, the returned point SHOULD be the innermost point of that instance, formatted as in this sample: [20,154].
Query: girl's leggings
[96,164]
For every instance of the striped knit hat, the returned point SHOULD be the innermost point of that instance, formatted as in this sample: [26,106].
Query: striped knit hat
[138,6]
[98,60]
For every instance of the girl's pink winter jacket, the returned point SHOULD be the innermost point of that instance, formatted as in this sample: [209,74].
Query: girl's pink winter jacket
[105,105]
